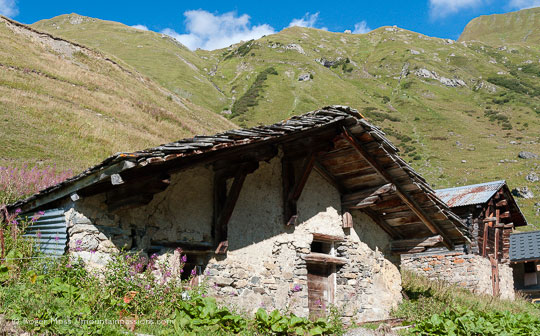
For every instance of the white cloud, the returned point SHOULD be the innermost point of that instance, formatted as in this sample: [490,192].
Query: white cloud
[442,8]
[141,27]
[307,21]
[361,28]
[8,8]
[522,4]
[213,31]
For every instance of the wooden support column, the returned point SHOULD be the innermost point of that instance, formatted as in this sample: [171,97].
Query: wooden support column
[292,187]
[224,203]
[406,198]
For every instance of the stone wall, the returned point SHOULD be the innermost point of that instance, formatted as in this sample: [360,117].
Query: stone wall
[265,264]
[469,271]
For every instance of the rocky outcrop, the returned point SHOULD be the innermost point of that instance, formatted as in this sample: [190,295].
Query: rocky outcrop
[451,82]
[304,77]
[523,192]
[532,177]
[527,155]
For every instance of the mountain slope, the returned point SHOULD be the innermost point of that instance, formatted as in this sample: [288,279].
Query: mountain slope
[460,112]
[158,56]
[521,27]
[456,109]
[64,104]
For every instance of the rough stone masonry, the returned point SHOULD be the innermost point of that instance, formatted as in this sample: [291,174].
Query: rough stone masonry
[469,271]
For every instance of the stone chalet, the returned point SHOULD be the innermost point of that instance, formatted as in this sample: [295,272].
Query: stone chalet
[490,213]
[306,213]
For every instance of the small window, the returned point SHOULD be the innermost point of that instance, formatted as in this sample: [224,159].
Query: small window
[530,267]
[321,247]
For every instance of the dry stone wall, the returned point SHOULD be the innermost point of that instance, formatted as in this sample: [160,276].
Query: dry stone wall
[469,271]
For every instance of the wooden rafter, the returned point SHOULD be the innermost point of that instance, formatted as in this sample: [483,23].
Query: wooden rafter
[368,197]
[407,199]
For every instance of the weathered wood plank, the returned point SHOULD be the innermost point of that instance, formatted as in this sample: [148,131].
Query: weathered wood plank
[407,244]
[324,259]
[368,196]
[326,237]
[404,196]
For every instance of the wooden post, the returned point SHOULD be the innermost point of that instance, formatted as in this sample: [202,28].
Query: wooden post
[292,188]
[224,203]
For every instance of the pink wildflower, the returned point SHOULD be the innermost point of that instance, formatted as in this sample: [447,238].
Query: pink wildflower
[38,234]
[194,272]
[184,258]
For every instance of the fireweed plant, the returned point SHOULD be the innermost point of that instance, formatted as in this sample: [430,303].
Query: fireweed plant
[24,181]
[132,293]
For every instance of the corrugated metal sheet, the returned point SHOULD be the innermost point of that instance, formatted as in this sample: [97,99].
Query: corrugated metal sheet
[525,246]
[469,195]
[49,232]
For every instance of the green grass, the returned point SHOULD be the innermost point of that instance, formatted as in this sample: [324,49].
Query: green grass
[73,110]
[438,308]
[519,27]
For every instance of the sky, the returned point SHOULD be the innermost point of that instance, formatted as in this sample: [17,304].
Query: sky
[217,24]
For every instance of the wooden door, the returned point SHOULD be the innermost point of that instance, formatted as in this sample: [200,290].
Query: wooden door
[320,289]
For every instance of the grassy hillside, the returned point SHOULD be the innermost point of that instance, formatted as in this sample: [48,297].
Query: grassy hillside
[157,56]
[456,110]
[521,27]
[460,112]
[64,104]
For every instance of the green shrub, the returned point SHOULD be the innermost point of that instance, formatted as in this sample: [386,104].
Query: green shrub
[251,97]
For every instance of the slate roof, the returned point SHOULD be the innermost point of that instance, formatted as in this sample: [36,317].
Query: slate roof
[470,194]
[350,169]
[525,246]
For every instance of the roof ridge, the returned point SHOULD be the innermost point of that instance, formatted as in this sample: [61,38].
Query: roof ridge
[471,185]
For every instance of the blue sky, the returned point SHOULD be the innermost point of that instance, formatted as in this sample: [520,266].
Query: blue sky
[216,24]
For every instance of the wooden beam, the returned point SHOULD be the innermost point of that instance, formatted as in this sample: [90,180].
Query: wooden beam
[226,212]
[292,187]
[382,223]
[102,174]
[287,179]
[484,239]
[322,258]
[496,252]
[407,199]
[326,237]
[368,197]
[504,215]
[501,203]
[407,245]
[301,182]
